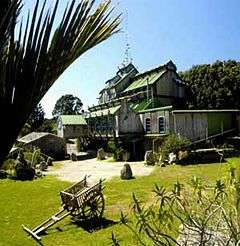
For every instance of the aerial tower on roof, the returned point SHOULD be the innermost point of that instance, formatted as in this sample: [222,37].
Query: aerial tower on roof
[127,53]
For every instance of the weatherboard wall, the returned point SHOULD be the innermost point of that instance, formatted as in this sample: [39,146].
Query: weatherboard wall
[200,125]
[128,121]
[218,122]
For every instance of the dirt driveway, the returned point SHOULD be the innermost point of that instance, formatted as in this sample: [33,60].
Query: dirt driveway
[75,171]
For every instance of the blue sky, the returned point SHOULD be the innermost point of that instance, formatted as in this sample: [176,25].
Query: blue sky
[187,32]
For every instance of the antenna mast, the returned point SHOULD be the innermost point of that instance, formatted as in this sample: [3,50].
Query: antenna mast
[127,54]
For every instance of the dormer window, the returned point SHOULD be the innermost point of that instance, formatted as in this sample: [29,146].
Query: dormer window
[148,125]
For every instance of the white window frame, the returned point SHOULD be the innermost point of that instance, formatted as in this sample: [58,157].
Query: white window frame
[164,124]
[148,127]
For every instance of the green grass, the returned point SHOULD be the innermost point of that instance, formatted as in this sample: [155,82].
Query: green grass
[30,203]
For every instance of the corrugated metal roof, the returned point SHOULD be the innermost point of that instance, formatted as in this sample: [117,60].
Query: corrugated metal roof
[34,136]
[103,112]
[205,111]
[155,109]
[73,120]
[142,80]
[145,104]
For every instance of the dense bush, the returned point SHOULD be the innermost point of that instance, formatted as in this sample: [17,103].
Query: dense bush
[173,143]
[33,156]
[193,214]
[115,147]
[8,164]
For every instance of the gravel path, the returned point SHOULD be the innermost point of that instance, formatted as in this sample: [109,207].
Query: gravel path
[75,171]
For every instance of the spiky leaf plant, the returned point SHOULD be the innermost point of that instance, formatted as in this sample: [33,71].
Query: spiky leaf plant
[32,60]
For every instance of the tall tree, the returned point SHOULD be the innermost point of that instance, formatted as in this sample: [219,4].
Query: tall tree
[34,59]
[67,104]
[36,118]
[214,86]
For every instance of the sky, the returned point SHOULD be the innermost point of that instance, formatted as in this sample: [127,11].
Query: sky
[185,31]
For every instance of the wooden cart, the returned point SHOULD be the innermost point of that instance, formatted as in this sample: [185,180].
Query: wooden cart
[80,201]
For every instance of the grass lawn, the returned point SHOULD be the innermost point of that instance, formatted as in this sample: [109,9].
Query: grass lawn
[30,203]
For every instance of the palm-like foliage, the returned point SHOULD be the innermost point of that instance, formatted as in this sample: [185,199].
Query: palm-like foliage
[32,62]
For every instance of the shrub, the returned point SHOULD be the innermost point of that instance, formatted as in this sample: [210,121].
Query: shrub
[174,144]
[118,154]
[196,214]
[114,146]
[8,164]
[33,156]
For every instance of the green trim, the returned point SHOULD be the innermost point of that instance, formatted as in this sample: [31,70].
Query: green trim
[205,111]
[104,112]
[73,120]
[155,109]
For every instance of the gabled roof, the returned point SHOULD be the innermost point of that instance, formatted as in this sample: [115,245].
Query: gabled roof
[73,120]
[104,112]
[34,136]
[120,76]
[141,80]
[150,77]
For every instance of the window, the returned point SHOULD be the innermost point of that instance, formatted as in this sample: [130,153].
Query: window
[148,125]
[161,124]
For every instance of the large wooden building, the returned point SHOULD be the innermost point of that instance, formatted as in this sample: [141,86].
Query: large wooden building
[141,108]
[130,96]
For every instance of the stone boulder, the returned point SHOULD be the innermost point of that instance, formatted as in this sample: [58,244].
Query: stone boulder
[3,174]
[172,158]
[73,157]
[43,166]
[25,173]
[49,161]
[101,154]
[23,169]
[126,172]
[149,158]
[182,155]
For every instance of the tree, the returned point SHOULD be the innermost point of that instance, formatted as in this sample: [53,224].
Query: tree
[32,60]
[215,86]
[67,104]
[36,118]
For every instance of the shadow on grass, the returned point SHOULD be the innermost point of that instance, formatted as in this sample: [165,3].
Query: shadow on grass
[94,224]
[89,226]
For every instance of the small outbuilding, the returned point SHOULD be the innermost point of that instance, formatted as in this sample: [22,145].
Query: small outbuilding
[48,143]
[72,126]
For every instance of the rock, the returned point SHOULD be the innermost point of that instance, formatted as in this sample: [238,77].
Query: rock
[73,157]
[126,172]
[49,161]
[20,161]
[101,154]
[25,173]
[149,158]
[23,168]
[43,166]
[172,158]
[182,155]
[3,174]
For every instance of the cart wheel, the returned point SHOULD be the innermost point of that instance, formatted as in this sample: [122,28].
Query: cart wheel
[94,208]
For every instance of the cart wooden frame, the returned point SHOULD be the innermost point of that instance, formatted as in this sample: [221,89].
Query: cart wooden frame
[81,201]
